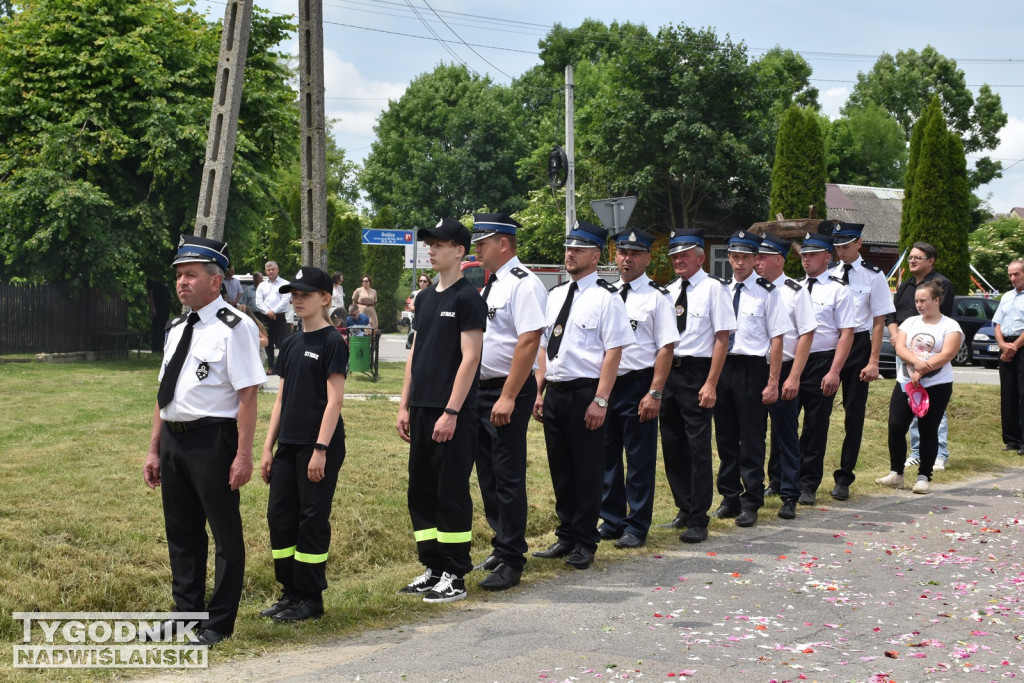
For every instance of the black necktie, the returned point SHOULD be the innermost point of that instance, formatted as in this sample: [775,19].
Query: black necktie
[847,267]
[624,292]
[681,306]
[736,299]
[810,284]
[558,331]
[490,281]
[170,379]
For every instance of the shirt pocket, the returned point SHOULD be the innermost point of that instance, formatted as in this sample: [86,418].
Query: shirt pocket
[585,328]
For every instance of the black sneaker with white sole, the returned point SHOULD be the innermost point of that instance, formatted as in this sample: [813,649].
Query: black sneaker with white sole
[449,589]
[422,584]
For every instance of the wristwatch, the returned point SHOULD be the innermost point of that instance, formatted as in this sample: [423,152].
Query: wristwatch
[655,394]
[601,402]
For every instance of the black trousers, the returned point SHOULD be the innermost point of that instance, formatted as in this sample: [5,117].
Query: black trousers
[501,470]
[1011,398]
[278,330]
[628,500]
[576,462]
[817,411]
[855,401]
[299,516]
[900,417]
[440,506]
[194,468]
[740,425]
[784,456]
[686,440]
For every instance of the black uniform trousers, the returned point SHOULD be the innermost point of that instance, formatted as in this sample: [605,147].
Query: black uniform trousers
[633,489]
[784,455]
[576,461]
[440,505]
[817,411]
[855,401]
[501,469]
[299,516]
[686,440]
[194,469]
[740,429]
[278,330]
[1011,398]
[900,417]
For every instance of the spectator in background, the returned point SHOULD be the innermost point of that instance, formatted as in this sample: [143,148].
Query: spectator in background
[1009,324]
[232,288]
[423,282]
[355,318]
[249,291]
[272,309]
[366,297]
[338,293]
[158,296]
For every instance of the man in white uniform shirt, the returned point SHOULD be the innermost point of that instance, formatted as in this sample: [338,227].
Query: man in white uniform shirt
[1009,324]
[272,310]
[515,300]
[633,407]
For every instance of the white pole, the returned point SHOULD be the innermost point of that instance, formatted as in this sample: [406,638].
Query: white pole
[570,154]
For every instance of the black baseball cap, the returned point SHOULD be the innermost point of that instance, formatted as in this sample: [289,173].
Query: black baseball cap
[447,229]
[309,279]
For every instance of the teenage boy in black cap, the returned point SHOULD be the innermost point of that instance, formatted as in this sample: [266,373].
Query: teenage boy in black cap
[306,424]
[437,416]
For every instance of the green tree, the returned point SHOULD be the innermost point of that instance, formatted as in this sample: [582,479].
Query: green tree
[994,245]
[104,107]
[445,148]
[905,84]
[345,242]
[866,146]
[906,215]
[385,265]
[798,177]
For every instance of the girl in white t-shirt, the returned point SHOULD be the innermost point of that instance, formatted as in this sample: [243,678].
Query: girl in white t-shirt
[925,346]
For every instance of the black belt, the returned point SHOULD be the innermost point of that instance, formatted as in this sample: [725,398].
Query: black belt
[1010,340]
[745,358]
[179,427]
[683,361]
[496,382]
[572,384]
[635,374]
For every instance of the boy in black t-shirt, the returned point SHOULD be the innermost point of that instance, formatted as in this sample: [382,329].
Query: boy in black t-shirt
[437,416]
[307,426]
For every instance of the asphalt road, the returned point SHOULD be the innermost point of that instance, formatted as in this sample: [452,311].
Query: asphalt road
[892,586]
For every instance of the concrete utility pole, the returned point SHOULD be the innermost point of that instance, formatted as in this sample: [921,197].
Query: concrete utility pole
[220,142]
[313,153]
[570,153]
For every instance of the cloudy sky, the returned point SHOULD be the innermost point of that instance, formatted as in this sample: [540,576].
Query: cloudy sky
[375,47]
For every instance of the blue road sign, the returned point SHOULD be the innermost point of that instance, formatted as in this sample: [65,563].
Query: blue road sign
[398,238]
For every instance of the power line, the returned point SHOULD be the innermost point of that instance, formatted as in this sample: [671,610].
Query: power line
[467,44]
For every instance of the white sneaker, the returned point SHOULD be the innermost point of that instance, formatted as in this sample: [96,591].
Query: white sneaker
[940,465]
[912,461]
[893,479]
[921,486]
[449,589]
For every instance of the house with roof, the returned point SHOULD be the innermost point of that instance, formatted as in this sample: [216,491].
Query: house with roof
[879,209]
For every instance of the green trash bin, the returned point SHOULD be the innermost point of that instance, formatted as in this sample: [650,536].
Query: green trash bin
[359,349]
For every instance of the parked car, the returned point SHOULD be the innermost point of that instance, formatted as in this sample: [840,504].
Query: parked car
[972,313]
[984,350]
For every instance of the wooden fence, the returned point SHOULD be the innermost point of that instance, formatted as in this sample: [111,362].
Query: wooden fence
[55,319]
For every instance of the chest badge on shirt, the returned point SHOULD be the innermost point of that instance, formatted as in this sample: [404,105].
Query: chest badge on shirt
[633,324]
[490,313]
[680,310]
[557,332]
[203,371]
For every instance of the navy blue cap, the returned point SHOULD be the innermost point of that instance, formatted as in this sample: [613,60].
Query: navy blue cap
[814,243]
[684,240]
[309,279]
[844,233]
[585,234]
[195,249]
[634,239]
[773,244]
[446,229]
[487,224]
[744,242]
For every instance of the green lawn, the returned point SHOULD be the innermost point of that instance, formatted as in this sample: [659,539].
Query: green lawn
[79,531]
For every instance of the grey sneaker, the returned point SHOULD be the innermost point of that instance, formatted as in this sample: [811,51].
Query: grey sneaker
[921,486]
[892,479]
[422,584]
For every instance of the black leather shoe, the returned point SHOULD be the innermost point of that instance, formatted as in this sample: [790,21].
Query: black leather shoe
[771,491]
[489,564]
[628,540]
[501,578]
[580,558]
[746,518]
[1020,451]
[677,523]
[725,512]
[208,636]
[806,498]
[841,492]
[301,611]
[695,534]
[281,605]
[608,534]
[788,510]
[556,550]
[1011,447]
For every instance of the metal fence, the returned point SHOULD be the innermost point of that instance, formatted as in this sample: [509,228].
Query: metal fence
[56,319]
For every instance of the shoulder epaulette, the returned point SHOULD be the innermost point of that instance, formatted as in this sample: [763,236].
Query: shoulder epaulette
[551,289]
[837,279]
[177,321]
[519,272]
[229,317]
[872,268]
[794,285]
[764,283]
[611,288]
[655,285]
[721,280]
